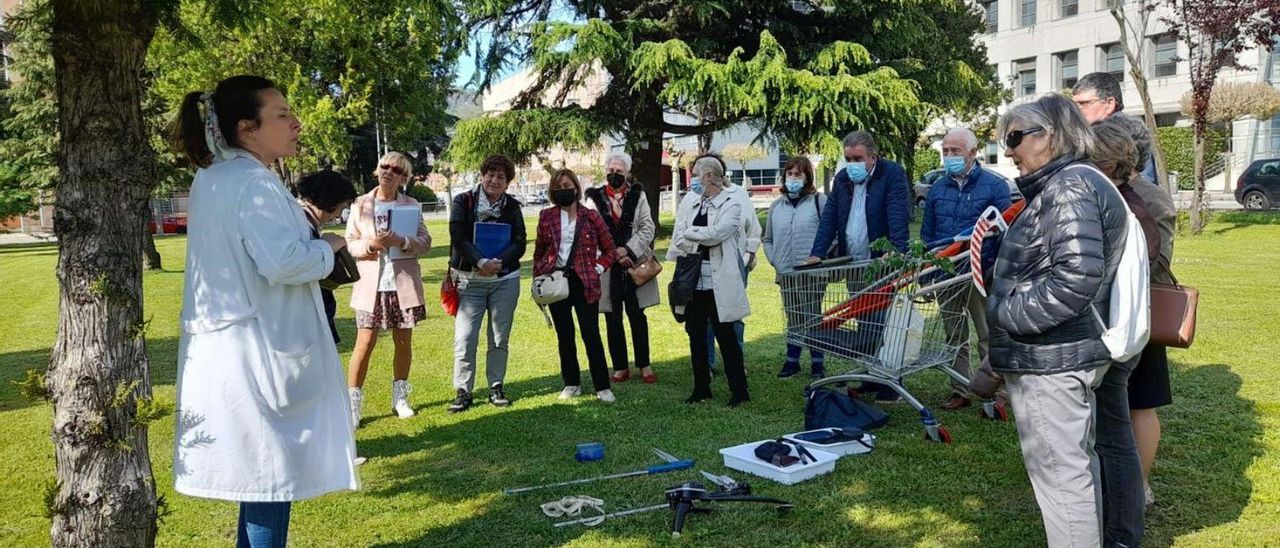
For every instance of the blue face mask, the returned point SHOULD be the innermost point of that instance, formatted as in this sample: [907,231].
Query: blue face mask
[695,185]
[794,186]
[857,171]
[953,164]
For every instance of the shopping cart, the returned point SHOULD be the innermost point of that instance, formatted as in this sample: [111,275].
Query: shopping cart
[887,319]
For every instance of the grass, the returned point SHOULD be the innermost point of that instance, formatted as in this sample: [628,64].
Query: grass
[436,480]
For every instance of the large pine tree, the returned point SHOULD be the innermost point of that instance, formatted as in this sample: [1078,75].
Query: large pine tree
[801,72]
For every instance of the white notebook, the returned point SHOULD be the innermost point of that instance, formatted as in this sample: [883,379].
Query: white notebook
[404,221]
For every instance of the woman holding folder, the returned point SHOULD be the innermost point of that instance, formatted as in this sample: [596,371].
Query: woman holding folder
[386,236]
[487,240]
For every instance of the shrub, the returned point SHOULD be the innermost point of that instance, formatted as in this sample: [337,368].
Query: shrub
[1180,151]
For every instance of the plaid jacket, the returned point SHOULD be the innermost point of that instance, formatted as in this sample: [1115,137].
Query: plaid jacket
[594,246]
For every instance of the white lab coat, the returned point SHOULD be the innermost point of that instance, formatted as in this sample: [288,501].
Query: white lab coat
[263,413]
[723,232]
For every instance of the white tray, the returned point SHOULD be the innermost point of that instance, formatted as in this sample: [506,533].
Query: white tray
[841,449]
[743,458]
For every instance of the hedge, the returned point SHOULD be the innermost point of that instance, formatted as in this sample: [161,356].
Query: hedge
[1180,151]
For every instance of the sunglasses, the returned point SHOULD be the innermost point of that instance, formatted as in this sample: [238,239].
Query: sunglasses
[1014,138]
[394,169]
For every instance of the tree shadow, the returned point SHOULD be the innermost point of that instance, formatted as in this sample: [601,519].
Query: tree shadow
[904,493]
[163,352]
[1211,438]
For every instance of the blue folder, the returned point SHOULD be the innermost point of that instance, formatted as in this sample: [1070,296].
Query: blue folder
[492,238]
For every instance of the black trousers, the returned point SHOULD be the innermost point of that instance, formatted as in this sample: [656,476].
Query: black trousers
[589,323]
[700,311]
[618,336]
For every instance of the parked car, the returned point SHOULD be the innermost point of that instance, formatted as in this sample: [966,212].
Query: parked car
[1259,184]
[921,188]
[536,198]
[172,224]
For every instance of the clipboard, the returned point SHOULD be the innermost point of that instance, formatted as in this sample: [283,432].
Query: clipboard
[403,220]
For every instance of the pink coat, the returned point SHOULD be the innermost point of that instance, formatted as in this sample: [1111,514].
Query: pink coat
[360,234]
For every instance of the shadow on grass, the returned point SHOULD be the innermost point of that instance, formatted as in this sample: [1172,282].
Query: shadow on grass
[1211,438]
[14,366]
[907,492]
[888,499]
[1244,219]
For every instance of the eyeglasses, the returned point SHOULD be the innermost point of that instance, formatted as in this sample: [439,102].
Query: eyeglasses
[1014,138]
[394,169]
[1087,102]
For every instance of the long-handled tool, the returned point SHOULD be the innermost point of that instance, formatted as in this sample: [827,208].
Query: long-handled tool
[671,465]
[683,499]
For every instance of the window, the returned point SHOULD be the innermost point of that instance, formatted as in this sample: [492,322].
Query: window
[1113,60]
[1024,71]
[1275,134]
[1164,56]
[1069,8]
[992,11]
[1273,62]
[993,154]
[1068,68]
[1028,12]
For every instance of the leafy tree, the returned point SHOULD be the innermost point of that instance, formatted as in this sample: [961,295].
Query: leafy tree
[743,153]
[345,67]
[29,121]
[1234,100]
[801,73]
[1214,34]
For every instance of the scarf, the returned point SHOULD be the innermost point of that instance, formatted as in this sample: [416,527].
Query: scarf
[486,210]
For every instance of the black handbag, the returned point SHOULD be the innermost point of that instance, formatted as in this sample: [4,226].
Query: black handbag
[344,270]
[685,279]
[834,409]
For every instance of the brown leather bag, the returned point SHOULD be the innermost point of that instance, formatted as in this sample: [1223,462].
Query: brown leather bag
[1173,312]
[645,271]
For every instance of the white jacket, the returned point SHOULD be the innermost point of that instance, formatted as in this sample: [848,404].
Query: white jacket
[790,230]
[723,232]
[262,405]
[749,242]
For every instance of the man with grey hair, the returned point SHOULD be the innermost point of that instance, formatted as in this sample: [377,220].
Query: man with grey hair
[869,200]
[952,208]
[1099,96]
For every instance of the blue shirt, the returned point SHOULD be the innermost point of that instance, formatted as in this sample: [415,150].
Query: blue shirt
[856,228]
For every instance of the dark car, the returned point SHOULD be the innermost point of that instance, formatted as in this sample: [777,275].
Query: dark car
[1259,185]
[921,188]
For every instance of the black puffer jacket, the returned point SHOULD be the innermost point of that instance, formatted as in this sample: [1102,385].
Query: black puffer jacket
[1057,260]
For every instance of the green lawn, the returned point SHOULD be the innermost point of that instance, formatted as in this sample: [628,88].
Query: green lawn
[436,480]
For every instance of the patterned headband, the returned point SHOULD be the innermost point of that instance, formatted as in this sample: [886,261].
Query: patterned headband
[213,137]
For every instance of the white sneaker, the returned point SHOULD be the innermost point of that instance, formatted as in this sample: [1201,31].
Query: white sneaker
[606,396]
[356,396]
[570,392]
[400,399]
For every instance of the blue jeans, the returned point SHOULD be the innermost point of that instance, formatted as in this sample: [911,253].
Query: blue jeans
[739,328]
[1123,499]
[263,524]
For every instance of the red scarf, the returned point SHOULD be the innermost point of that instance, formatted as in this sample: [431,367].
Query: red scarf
[615,200]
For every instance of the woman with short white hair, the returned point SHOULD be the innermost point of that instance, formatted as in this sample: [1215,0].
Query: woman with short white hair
[625,209]
[708,226]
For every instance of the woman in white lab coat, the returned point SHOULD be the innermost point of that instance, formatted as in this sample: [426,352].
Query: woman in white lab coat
[262,407]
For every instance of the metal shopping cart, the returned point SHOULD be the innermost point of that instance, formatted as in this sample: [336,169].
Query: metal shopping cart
[888,319]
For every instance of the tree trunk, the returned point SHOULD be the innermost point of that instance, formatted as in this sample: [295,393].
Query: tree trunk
[151,257]
[645,146]
[99,369]
[1197,197]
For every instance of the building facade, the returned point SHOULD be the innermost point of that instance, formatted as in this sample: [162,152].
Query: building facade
[1045,46]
